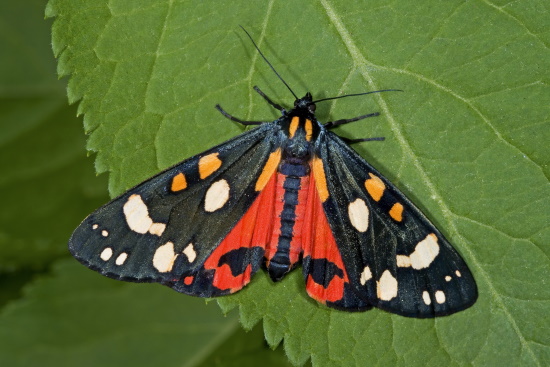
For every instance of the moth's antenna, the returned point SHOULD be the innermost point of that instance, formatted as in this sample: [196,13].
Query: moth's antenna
[357,94]
[268,63]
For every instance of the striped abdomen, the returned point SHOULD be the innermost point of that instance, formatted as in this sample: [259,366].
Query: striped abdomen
[285,247]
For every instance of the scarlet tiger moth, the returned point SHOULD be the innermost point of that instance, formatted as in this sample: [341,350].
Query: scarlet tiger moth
[285,192]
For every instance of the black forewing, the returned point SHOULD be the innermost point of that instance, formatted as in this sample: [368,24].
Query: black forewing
[242,157]
[442,288]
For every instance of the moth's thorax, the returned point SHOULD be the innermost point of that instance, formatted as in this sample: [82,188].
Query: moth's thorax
[301,131]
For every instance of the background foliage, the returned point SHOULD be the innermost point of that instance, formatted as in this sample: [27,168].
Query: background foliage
[467,141]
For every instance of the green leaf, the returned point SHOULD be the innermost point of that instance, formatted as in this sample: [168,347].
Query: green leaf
[467,141]
[244,349]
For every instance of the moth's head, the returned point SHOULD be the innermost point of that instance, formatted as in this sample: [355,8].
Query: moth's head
[305,104]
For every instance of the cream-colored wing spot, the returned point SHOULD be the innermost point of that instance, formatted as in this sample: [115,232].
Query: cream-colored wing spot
[386,287]
[423,255]
[121,258]
[164,257]
[440,297]
[426,298]
[106,253]
[358,213]
[403,261]
[189,251]
[216,196]
[157,228]
[366,275]
[138,219]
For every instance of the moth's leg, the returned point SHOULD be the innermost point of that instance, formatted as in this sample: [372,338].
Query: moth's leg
[233,118]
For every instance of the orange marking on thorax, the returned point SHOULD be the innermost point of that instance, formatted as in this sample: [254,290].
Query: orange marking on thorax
[375,187]
[209,164]
[320,178]
[268,170]
[178,182]
[293,126]
[396,212]
[309,129]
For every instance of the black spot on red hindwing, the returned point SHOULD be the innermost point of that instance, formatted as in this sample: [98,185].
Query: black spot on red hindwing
[240,258]
[322,271]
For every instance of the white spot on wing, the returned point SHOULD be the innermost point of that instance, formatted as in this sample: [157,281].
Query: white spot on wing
[95,226]
[386,286]
[358,213]
[137,215]
[157,228]
[426,298]
[104,233]
[138,219]
[365,275]
[403,261]
[106,253]
[121,258]
[458,274]
[189,251]
[164,257]
[448,278]
[423,255]
[440,297]
[216,196]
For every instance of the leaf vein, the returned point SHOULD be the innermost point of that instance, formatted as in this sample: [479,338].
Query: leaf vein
[359,59]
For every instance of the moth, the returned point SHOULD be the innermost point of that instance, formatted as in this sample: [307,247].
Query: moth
[286,192]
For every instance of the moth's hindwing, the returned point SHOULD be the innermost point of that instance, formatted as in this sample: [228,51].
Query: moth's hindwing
[394,257]
[169,228]
[324,271]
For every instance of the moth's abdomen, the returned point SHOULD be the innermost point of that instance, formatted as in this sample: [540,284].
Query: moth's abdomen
[284,249]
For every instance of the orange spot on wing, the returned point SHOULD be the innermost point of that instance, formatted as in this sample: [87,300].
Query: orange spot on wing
[209,164]
[375,187]
[309,129]
[320,178]
[179,182]
[396,212]
[188,280]
[268,170]
[293,126]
